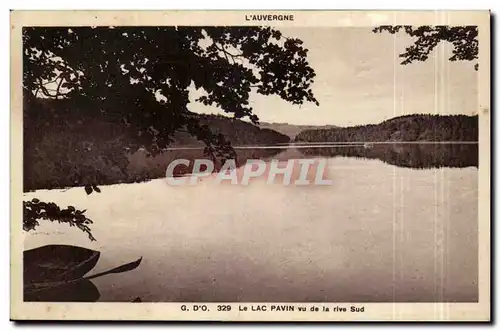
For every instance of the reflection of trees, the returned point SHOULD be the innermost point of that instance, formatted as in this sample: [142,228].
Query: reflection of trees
[142,168]
[408,155]
[83,291]
[95,157]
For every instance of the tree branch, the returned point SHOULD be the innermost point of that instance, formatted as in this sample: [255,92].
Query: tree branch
[226,53]
[59,87]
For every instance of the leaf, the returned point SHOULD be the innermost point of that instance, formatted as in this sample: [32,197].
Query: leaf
[35,200]
[88,189]
[98,190]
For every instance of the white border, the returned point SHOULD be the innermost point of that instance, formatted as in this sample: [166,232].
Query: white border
[187,4]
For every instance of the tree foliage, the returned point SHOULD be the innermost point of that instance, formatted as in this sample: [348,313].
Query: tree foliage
[35,209]
[139,79]
[116,74]
[463,38]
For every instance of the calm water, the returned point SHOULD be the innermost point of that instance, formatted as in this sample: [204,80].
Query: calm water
[388,229]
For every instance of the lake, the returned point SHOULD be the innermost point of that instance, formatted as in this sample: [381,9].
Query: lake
[399,223]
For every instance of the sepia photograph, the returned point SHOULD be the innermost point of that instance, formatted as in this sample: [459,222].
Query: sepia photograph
[260,166]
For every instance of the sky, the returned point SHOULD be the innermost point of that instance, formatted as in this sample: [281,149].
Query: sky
[360,80]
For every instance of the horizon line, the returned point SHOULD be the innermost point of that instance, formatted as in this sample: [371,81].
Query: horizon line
[331,144]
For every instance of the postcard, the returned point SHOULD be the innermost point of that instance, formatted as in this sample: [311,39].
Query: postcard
[250,165]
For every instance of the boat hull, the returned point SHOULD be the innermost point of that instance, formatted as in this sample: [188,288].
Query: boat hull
[53,263]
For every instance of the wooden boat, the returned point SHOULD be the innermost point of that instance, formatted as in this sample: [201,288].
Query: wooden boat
[57,263]
[57,273]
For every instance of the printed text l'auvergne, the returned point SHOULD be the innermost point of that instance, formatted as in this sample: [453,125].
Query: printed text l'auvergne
[269,17]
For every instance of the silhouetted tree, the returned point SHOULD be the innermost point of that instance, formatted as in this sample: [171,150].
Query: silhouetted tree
[463,38]
[138,79]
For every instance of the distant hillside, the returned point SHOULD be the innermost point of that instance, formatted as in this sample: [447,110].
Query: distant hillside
[404,128]
[292,130]
[236,131]
[60,151]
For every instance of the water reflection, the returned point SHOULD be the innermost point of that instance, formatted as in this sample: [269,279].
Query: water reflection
[421,156]
[82,291]
[142,168]
[370,237]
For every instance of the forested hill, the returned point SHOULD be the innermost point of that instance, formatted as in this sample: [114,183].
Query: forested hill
[292,130]
[236,131]
[420,127]
[61,150]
